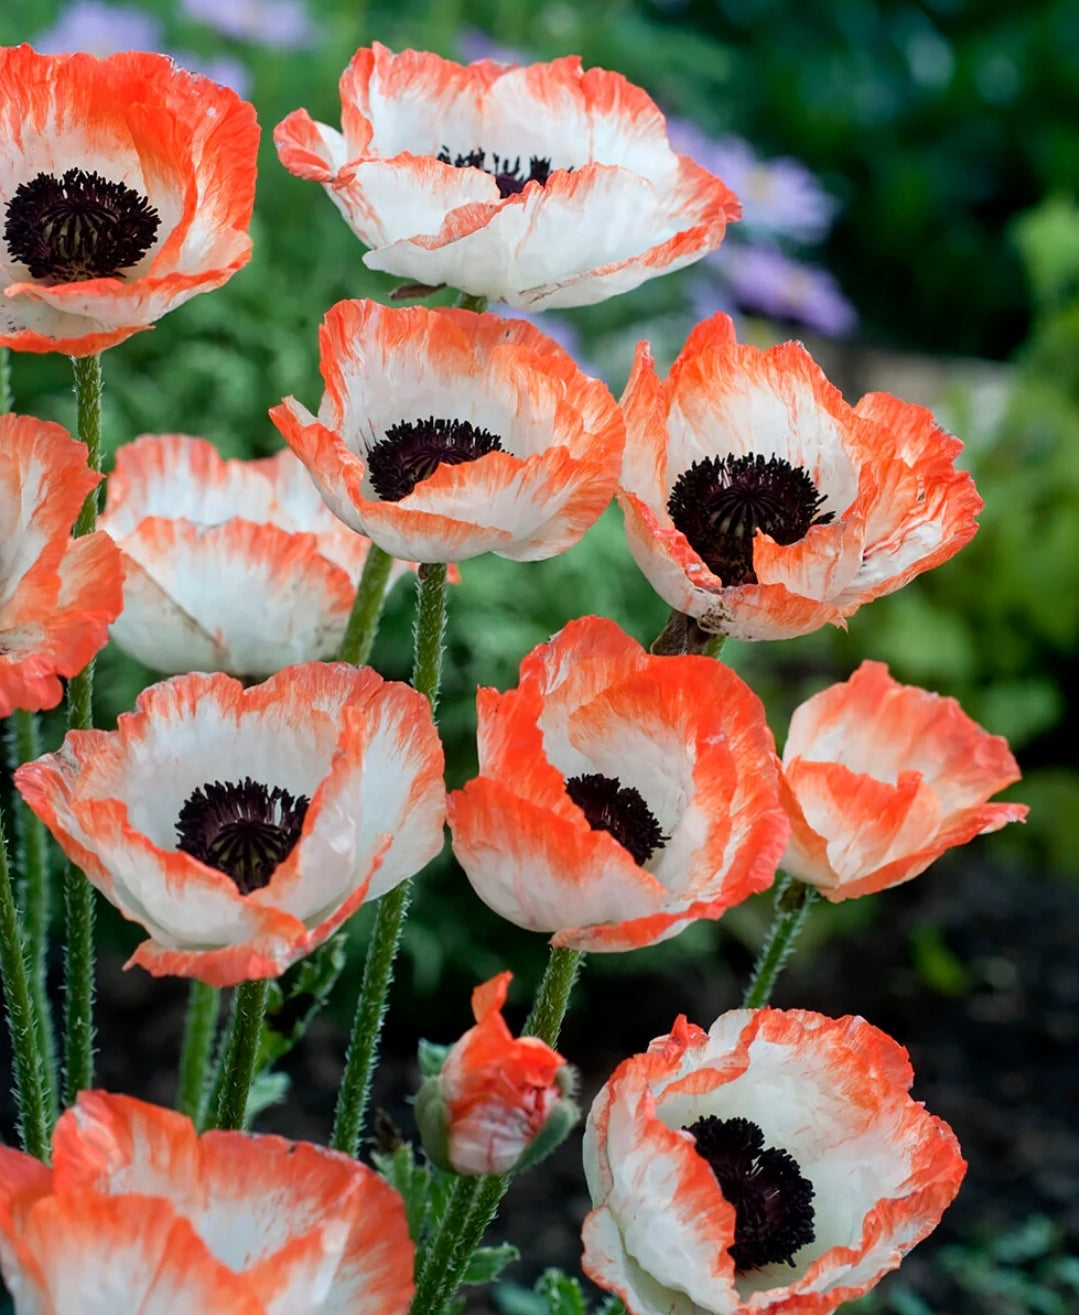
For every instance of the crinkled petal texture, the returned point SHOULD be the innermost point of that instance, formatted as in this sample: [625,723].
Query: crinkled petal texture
[833,1093]
[619,206]
[884,470]
[498,1090]
[235,566]
[685,733]
[140,1213]
[364,751]
[561,432]
[57,595]
[879,779]
[182,142]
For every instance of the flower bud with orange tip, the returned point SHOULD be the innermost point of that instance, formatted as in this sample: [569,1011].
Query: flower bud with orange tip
[879,779]
[242,826]
[57,594]
[773,1165]
[620,796]
[126,188]
[444,434]
[499,1103]
[138,1212]
[762,505]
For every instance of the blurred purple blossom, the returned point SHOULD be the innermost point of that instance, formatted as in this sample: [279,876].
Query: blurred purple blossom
[475,45]
[764,280]
[100,30]
[779,197]
[282,24]
[226,70]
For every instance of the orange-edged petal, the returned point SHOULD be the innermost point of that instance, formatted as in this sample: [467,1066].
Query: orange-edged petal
[890,503]
[682,737]
[880,778]
[183,143]
[365,754]
[559,433]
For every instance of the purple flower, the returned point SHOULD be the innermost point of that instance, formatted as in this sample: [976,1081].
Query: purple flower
[100,30]
[767,281]
[780,197]
[475,45]
[226,70]
[282,24]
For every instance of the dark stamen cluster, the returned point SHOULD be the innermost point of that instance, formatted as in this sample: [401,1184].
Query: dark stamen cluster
[244,830]
[620,810]
[507,175]
[773,1201]
[720,502]
[414,449]
[78,227]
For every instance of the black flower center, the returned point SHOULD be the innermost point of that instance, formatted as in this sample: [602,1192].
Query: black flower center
[414,449]
[720,502]
[508,174]
[619,809]
[77,227]
[772,1199]
[244,830]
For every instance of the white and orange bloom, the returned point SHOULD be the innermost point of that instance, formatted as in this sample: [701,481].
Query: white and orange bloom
[621,796]
[241,827]
[540,186]
[879,779]
[138,1212]
[57,594]
[773,1165]
[126,187]
[235,566]
[500,1103]
[444,434]
[760,504]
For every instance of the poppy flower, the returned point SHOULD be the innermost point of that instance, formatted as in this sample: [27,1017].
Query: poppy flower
[138,1212]
[57,595]
[234,566]
[541,186]
[126,187]
[500,1103]
[773,1165]
[759,503]
[879,779]
[444,434]
[241,827]
[621,796]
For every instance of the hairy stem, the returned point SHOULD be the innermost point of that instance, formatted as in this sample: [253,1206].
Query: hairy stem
[241,1054]
[196,1053]
[367,608]
[792,902]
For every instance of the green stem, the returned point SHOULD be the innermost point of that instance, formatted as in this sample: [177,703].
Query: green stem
[429,632]
[5,380]
[241,1054]
[714,645]
[33,866]
[367,608]
[78,893]
[792,902]
[196,1053]
[30,1094]
[466,301]
[355,1090]
[473,1202]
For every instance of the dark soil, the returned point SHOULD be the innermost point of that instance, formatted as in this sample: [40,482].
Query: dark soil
[993,1035]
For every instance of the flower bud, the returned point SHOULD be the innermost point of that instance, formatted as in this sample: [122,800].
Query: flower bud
[499,1103]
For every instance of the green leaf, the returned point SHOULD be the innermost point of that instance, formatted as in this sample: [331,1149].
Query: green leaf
[488,1262]
[561,1293]
[297,998]
[267,1089]
[412,1181]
